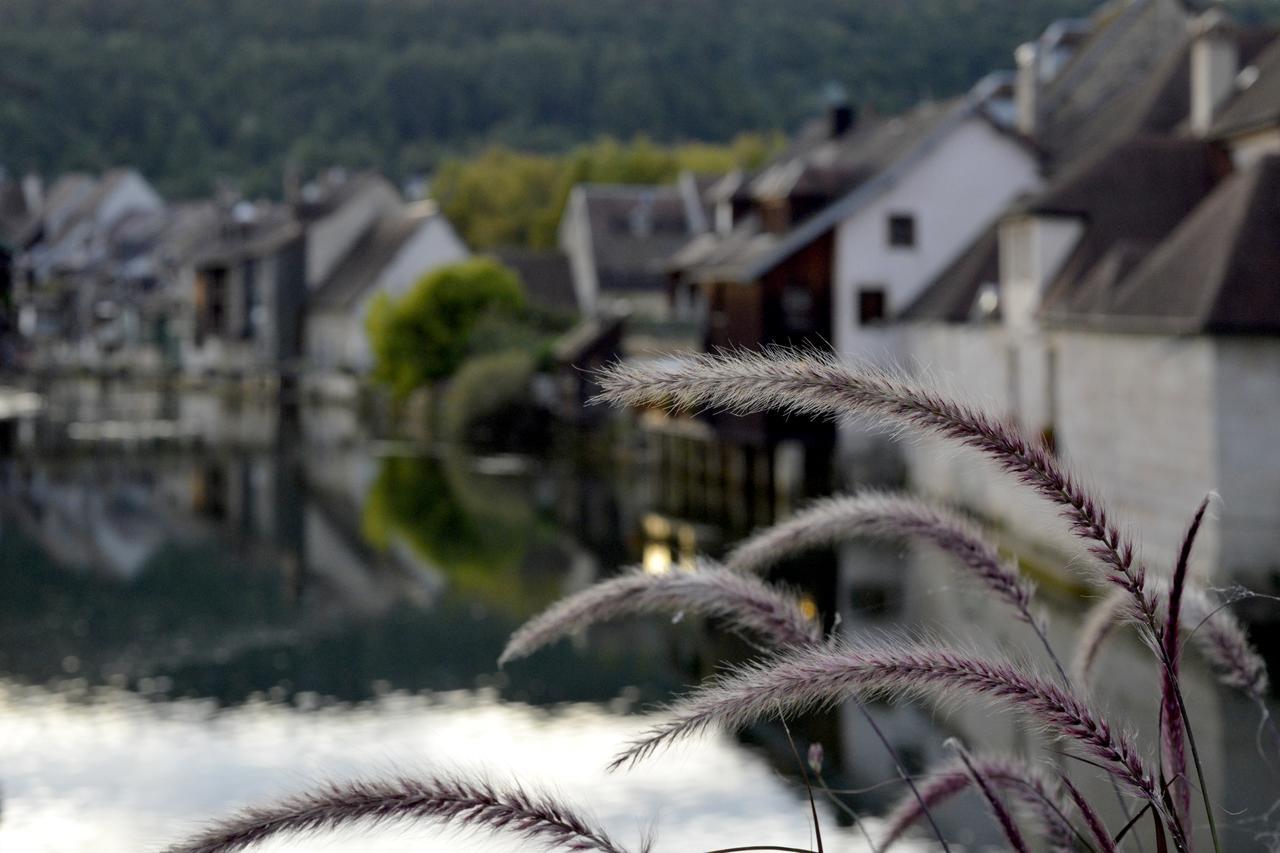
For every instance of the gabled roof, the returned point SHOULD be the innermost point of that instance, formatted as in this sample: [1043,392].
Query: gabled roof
[1132,196]
[733,256]
[334,189]
[879,157]
[1130,40]
[1218,272]
[1161,101]
[60,204]
[1258,105]
[818,164]
[258,229]
[377,248]
[634,230]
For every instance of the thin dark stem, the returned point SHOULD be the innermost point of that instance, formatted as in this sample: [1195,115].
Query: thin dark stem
[906,777]
[1195,758]
[998,809]
[760,847]
[1066,680]
[1048,647]
[813,807]
[844,807]
[1133,821]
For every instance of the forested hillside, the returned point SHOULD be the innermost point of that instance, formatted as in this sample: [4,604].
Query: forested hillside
[190,90]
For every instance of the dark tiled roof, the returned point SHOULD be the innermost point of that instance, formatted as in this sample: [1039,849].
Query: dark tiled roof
[547,278]
[816,166]
[1131,40]
[271,227]
[1161,101]
[326,195]
[1259,104]
[731,257]
[634,230]
[356,273]
[1133,196]
[951,296]
[1218,272]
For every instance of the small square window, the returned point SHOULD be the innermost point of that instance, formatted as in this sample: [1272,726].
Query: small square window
[871,305]
[902,230]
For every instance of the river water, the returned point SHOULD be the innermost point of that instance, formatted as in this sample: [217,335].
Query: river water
[189,624]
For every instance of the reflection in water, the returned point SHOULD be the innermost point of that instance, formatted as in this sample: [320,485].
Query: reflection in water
[182,632]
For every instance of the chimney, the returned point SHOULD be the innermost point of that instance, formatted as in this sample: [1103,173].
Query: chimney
[841,117]
[1027,88]
[1215,61]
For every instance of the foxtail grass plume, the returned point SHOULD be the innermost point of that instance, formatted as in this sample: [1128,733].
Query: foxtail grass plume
[830,521]
[739,601]
[1173,734]
[1203,622]
[1037,798]
[819,384]
[1091,817]
[1099,624]
[471,804]
[819,677]
[998,809]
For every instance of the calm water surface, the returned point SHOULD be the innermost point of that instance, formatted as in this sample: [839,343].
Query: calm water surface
[185,631]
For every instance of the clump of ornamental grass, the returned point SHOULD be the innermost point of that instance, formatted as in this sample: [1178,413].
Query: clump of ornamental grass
[1165,613]
[801,670]
[467,802]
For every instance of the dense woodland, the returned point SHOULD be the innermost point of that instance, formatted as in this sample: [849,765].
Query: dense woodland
[197,91]
[191,91]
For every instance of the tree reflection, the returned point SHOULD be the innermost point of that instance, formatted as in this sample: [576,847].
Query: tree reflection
[482,532]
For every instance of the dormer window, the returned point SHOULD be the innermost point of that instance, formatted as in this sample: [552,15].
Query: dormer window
[902,231]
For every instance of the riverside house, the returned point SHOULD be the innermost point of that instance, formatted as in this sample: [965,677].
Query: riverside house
[828,242]
[1129,312]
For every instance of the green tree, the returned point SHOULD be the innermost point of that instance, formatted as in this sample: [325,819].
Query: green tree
[426,334]
[504,197]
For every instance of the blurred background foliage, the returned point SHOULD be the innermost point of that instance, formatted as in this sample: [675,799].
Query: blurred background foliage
[426,334]
[476,530]
[197,91]
[505,197]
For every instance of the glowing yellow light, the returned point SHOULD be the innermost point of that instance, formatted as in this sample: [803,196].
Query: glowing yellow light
[657,559]
[656,527]
[808,607]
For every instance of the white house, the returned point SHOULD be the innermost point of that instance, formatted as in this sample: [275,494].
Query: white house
[1129,315]
[389,258]
[336,211]
[68,249]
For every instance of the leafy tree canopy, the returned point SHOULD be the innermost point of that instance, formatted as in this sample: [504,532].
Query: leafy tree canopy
[426,334]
